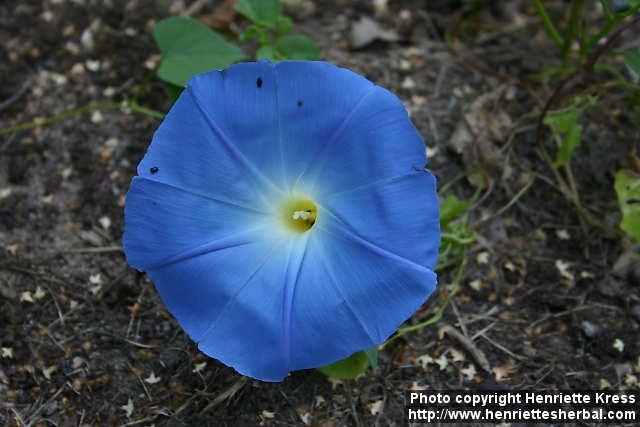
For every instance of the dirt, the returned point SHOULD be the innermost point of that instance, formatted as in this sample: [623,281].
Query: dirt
[86,338]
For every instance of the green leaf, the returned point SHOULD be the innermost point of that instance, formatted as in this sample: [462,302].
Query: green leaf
[632,59]
[452,207]
[297,47]
[173,91]
[189,47]
[263,12]
[283,25]
[571,142]
[627,186]
[266,52]
[564,124]
[372,356]
[347,369]
[255,32]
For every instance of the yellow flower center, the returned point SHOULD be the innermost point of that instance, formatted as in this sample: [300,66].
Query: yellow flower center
[298,214]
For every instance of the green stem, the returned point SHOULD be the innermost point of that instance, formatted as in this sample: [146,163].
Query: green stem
[572,29]
[607,11]
[137,108]
[132,106]
[612,21]
[546,21]
[456,239]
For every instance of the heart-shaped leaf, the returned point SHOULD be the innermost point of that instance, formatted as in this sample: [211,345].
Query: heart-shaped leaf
[189,47]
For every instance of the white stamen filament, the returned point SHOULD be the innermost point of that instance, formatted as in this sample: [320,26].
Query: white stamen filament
[304,215]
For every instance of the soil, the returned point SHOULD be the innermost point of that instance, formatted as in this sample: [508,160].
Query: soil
[546,297]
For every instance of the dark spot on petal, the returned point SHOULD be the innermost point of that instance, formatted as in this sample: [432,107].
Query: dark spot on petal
[154,170]
[259,82]
[300,103]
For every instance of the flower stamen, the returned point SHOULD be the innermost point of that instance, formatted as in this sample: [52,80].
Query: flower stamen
[298,214]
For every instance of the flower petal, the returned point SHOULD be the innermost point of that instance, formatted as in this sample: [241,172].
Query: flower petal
[191,151]
[315,101]
[398,213]
[163,222]
[350,296]
[378,141]
[240,103]
[249,332]
[200,290]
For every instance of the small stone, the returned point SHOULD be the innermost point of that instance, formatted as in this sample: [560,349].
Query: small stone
[618,344]
[47,16]
[268,414]
[476,285]
[482,258]
[590,330]
[563,269]
[26,297]
[40,293]
[198,367]
[5,192]
[635,312]
[408,83]
[77,362]
[105,222]
[87,39]
[92,65]
[96,117]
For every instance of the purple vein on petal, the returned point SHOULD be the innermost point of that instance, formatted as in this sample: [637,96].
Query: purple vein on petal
[294,266]
[231,148]
[345,233]
[321,156]
[244,284]
[238,239]
[204,196]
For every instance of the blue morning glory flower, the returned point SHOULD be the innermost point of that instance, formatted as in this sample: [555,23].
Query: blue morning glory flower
[285,216]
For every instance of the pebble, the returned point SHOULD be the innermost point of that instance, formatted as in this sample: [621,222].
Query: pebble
[408,83]
[591,330]
[635,312]
[92,65]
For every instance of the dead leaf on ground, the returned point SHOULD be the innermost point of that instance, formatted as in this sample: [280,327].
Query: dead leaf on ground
[504,371]
[484,125]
